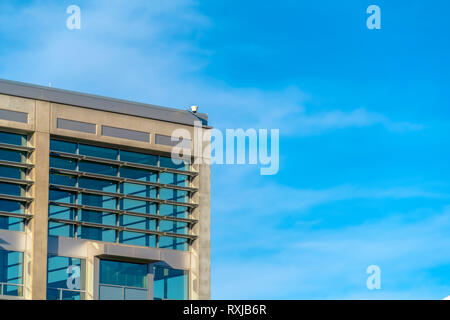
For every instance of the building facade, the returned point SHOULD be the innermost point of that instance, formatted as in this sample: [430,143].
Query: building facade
[92,205]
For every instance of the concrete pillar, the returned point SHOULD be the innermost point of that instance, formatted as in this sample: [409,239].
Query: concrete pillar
[40,207]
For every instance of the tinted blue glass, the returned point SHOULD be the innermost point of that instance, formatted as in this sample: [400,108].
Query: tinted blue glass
[173,195]
[105,218]
[138,206]
[11,172]
[63,213]
[98,152]
[123,273]
[138,190]
[93,200]
[62,196]
[168,163]
[138,174]
[62,146]
[173,227]
[98,168]
[98,234]
[137,222]
[60,229]
[137,239]
[10,155]
[173,243]
[12,138]
[11,269]
[12,189]
[11,206]
[72,295]
[139,158]
[170,284]
[173,211]
[174,179]
[63,271]
[11,224]
[63,180]
[62,163]
[101,185]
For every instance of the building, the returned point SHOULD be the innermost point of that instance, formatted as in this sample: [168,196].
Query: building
[92,205]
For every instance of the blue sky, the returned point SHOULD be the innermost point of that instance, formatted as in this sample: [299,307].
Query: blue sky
[363,119]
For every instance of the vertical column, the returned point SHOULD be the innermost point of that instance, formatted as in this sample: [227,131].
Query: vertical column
[40,212]
[204,217]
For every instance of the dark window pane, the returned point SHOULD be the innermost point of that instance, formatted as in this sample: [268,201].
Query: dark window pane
[173,195]
[137,239]
[12,138]
[95,184]
[139,158]
[62,196]
[168,163]
[173,227]
[173,243]
[138,222]
[62,179]
[12,189]
[98,234]
[11,206]
[62,163]
[63,146]
[11,172]
[11,224]
[98,168]
[170,284]
[98,152]
[138,174]
[105,218]
[174,179]
[64,271]
[105,202]
[10,155]
[123,273]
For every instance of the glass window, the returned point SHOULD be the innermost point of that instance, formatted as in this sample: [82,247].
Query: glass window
[137,239]
[173,195]
[174,179]
[138,222]
[105,202]
[99,234]
[11,224]
[11,172]
[168,163]
[174,211]
[63,163]
[138,174]
[59,212]
[11,273]
[11,155]
[11,206]
[13,138]
[65,278]
[63,179]
[173,227]
[62,196]
[12,189]
[170,284]
[138,190]
[61,229]
[105,218]
[173,243]
[97,168]
[63,146]
[138,206]
[123,274]
[95,184]
[140,158]
[98,152]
